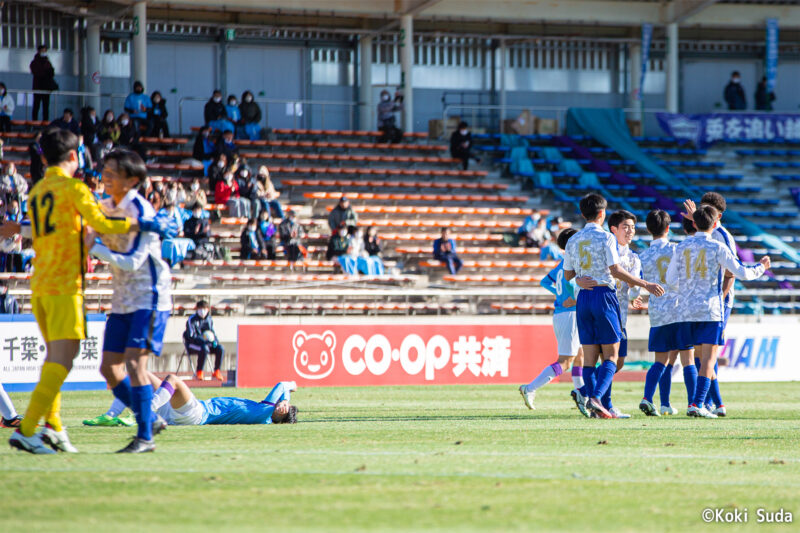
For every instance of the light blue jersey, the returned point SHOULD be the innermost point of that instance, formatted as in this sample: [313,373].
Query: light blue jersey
[243,411]
[562,289]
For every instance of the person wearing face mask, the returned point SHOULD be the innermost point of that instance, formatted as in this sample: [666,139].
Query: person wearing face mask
[461,144]
[200,339]
[196,194]
[338,242]
[6,109]
[44,79]
[291,235]
[227,189]
[85,163]
[734,93]
[234,117]
[67,122]
[204,149]
[12,246]
[109,129]
[157,116]
[90,129]
[214,111]
[227,145]
[138,106]
[252,244]
[764,97]
[13,186]
[267,230]
[251,116]
[197,228]
[129,135]
[387,122]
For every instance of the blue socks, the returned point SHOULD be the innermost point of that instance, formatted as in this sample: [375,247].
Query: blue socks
[651,380]
[606,399]
[714,390]
[142,398]
[665,385]
[588,381]
[690,379]
[123,391]
[605,375]
[703,384]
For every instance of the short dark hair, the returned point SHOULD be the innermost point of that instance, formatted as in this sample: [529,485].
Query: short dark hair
[688,226]
[202,303]
[705,217]
[735,73]
[715,200]
[591,205]
[620,216]
[68,110]
[128,162]
[462,125]
[57,144]
[289,418]
[564,236]
[657,222]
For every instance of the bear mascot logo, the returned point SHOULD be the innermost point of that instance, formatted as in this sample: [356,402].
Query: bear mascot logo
[313,354]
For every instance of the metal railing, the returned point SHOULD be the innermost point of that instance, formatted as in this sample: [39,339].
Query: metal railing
[303,112]
[61,99]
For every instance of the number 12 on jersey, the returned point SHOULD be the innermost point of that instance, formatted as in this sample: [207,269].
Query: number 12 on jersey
[41,212]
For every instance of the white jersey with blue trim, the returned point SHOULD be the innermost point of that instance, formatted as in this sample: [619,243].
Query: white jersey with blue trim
[724,236]
[630,262]
[590,252]
[695,273]
[141,279]
[663,310]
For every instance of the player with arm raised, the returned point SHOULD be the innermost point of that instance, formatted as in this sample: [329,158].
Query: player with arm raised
[592,252]
[696,271]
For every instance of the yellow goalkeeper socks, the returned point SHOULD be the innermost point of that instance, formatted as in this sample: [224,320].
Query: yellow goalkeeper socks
[46,399]
[53,416]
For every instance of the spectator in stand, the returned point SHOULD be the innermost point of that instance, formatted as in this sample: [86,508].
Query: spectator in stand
[251,116]
[174,193]
[109,129]
[6,109]
[85,161]
[157,116]
[8,304]
[291,234]
[214,112]
[204,148]
[35,154]
[174,212]
[734,93]
[343,212]
[356,259]
[90,129]
[387,122]
[67,122]
[156,199]
[44,79]
[270,194]
[372,243]
[533,231]
[129,136]
[175,250]
[138,106]
[197,227]
[252,245]
[234,116]
[217,170]
[267,230]
[764,97]
[196,195]
[201,340]
[12,247]
[550,251]
[444,250]
[461,145]
[227,145]
[338,242]
[226,190]
[13,185]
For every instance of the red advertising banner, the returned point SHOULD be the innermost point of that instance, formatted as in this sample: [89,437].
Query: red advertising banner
[398,354]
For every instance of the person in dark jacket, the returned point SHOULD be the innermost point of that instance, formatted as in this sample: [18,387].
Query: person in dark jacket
[35,153]
[157,116]
[734,93]
[764,97]
[214,111]
[8,304]
[204,148]
[226,145]
[90,129]
[217,170]
[372,243]
[387,122]
[200,339]
[444,250]
[44,79]
[343,212]
[251,116]
[109,129]
[252,243]
[267,230]
[461,144]
[197,227]
[67,122]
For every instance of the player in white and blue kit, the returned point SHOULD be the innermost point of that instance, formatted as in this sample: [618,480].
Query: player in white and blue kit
[141,302]
[592,252]
[696,273]
[565,326]
[664,318]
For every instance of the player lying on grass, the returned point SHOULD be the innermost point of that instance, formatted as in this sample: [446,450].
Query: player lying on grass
[141,302]
[175,402]
[664,318]
[570,353]
[59,207]
[593,252]
[695,272]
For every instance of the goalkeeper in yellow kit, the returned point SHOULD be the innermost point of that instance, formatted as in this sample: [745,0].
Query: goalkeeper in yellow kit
[59,207]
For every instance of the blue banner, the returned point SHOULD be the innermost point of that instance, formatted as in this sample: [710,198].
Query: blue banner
[647,38]
[771,59]
[705,130]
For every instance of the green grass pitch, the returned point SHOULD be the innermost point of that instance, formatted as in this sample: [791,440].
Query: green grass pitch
[458,458]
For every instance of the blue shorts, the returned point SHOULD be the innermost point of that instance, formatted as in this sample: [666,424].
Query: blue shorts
[695,333]
[598,316]
[623,344]
[141,329]
[666,338]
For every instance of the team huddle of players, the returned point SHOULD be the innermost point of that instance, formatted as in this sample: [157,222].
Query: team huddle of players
[67,223]
[691,297]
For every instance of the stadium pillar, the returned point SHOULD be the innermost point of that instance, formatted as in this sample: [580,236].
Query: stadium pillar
[635,70]
[365,121]
[406,66]
[672,67]
[93,64]
[140,42]
[502,81]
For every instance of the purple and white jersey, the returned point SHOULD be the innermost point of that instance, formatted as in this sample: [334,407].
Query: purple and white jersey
[590,252]
[695,273]
[663,310]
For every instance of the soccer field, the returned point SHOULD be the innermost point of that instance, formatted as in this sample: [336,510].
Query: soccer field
[455,458]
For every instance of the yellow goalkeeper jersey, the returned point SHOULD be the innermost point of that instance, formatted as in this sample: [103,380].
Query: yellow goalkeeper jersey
[58,207]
